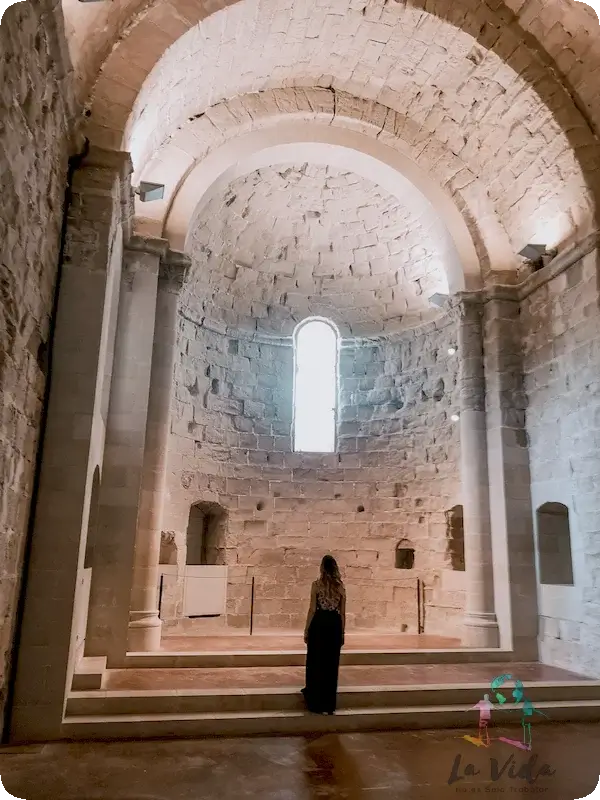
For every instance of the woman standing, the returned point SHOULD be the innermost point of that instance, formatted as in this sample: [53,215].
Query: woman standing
[324,637]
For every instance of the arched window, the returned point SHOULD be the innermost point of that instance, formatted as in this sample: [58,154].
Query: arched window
[554,545]
[316,344]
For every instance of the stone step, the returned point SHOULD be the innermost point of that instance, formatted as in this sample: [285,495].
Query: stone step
[297,658]
[200,701]
[89,673]
[182,725]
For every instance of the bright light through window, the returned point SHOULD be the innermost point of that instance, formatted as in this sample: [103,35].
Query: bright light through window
[315,388]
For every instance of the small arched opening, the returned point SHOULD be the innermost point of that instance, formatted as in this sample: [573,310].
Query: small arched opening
[554,545]
[455,538]
[405,556]
[206,535]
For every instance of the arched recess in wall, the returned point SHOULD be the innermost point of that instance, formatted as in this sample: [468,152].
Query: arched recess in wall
[206,535]
[404,556]
[92,529]
[554,545]
[455,538]
[316,375]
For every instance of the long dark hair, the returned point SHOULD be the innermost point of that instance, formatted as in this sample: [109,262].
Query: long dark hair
[330,581]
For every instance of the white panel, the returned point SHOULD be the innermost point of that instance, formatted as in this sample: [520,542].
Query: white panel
[205,591]
[561,602]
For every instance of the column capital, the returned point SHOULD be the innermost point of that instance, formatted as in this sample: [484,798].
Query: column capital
[174,267]
[148,244]
[463,306]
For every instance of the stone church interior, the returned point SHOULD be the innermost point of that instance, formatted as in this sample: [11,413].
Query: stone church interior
[280,279]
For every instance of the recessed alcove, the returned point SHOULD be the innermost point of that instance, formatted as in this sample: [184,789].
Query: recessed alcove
[405,557]
[455,535]
[554,545]
[206,533]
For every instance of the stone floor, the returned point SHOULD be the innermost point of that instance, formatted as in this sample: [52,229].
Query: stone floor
[380,675]
[293,641]
[374,766]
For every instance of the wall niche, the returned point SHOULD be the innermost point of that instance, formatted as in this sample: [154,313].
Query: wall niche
[405,556]
[455,538]
[206,532]
[554,545]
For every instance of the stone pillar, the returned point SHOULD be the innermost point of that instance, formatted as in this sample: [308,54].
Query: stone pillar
[113,559]
[144,623]
[480,617]
[510,480]
[73,443]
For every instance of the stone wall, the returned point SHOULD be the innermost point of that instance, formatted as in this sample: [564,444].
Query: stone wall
[393,479]
[561,334]
[33,163]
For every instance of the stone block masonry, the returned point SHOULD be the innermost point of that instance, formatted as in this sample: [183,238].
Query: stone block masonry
[561,340]
[283,243]
[34,109]
[393,478]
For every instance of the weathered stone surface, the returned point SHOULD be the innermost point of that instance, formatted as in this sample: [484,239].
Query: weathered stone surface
[561,325]
[33,162]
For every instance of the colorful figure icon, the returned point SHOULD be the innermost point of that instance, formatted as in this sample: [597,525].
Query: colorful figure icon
[485,714]
[485,708]
[527,710]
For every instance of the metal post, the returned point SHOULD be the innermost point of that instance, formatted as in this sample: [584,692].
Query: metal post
[423,607]
[418,605]
[160,593]
[252,607]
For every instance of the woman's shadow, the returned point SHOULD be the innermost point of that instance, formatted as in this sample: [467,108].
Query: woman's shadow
[331,770]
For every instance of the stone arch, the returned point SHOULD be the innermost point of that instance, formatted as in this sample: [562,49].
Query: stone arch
[251,130]
[492,31]
[105,37]
[462,266]
[554,545]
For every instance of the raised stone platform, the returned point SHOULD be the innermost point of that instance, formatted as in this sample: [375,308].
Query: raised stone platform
[181,694]
[281,641]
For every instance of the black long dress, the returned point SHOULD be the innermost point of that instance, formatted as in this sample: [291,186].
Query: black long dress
[324,644]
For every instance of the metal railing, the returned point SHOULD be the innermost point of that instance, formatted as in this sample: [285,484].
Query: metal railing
[252,607]
[420,592]
[420,606]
